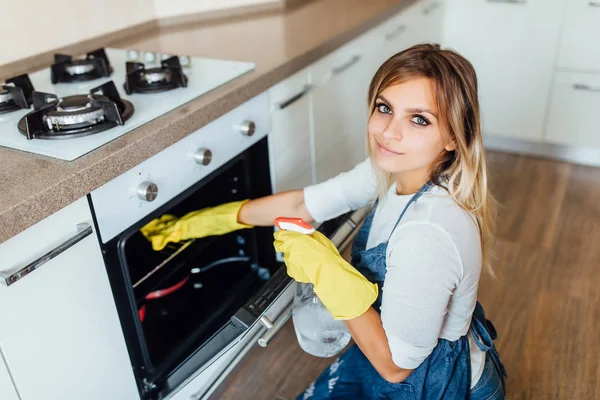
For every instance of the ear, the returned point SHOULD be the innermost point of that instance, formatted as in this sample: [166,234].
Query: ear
[450,146]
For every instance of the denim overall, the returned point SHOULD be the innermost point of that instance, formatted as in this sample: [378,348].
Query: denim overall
[444,374]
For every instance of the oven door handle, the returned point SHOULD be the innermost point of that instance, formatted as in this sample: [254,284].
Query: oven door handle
[274,327]
[342,241]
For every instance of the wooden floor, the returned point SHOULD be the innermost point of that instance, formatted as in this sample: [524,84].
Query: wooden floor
[545,301]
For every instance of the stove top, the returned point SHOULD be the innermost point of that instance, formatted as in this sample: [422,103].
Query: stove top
[87,114]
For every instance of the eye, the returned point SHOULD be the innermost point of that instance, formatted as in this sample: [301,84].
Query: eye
[383,108]
[420,120]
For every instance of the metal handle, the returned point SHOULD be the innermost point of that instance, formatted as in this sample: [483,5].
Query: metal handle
[83,231]
[295,98]
[594,3]
[343,67]
[274,327]
[432,7]
[391,35]
[587,88]
[508,1]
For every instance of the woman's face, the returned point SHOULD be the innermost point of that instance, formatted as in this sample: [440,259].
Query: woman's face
[403,130]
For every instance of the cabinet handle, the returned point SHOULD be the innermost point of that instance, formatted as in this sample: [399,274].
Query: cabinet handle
[587,88]
[508,1]
[594,3]
[274,327]
[83,231]
[295,98]
[427,10]
[391,35]
[343,67]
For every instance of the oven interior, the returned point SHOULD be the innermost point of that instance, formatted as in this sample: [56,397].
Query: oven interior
[181,298]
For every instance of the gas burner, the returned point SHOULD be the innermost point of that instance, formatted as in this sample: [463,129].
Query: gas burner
[166,77]
[66,69]
[15,94]
[75,116]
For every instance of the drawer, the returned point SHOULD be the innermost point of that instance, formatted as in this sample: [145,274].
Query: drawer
[580,44]
[118,204]
[573,117]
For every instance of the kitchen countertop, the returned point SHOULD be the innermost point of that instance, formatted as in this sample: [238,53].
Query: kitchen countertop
[279,43]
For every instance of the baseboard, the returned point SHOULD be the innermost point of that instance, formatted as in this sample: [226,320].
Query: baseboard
[554,151]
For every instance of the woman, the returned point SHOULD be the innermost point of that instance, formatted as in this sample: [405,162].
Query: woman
[409,297]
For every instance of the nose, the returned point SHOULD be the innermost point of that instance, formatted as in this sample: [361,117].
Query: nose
[392,131]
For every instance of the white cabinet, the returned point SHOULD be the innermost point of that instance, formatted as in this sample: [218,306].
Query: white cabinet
[512,45]
[580,44]
[420,23]
[59,332]
[7,389]
[573,117]
[339,111]
[290,146]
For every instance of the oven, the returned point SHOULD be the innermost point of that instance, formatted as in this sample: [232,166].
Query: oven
[189,306]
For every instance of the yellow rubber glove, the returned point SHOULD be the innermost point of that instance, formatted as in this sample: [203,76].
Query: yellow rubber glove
[210,221]
[344,291]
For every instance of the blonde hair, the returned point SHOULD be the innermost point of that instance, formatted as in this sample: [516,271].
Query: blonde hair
[463,170]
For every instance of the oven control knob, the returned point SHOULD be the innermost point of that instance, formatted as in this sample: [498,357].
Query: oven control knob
[247,128]
[203,156]
[147,191]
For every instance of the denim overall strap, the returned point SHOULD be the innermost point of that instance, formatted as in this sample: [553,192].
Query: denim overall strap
[484,333]
[413,199]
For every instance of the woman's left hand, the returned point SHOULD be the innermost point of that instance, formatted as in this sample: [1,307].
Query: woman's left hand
[313,258]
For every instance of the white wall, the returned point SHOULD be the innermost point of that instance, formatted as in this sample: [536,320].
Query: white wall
[170,8]
[36,26]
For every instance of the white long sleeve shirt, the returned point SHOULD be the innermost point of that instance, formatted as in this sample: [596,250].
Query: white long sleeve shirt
[433,262]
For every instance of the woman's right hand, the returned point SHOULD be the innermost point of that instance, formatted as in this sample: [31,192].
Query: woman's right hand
[210,221]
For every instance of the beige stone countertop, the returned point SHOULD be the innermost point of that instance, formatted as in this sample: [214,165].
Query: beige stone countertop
[280,43]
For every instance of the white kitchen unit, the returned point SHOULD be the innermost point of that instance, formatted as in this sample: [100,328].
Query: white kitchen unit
[290,139]
[60,334]
[513,46]
[7,388]
[573,117]
[339,110]
[581,36]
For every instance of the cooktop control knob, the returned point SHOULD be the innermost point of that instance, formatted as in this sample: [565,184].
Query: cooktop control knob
[247,128]
[203,156]
[147,191]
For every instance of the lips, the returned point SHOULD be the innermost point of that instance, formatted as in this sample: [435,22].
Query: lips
[386,151]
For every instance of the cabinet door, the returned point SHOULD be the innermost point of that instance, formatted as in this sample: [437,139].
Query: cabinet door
[573,118]
[513,51]
[425,21]
[7,389]
[290,136]
[339,111]
[580,39]
[60,332]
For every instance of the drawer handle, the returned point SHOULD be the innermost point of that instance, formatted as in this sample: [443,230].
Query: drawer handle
[594,3]
[83,231]
[295,98]
[274,327]
[587,88]
[343,67]
[428,10]
[391,35]
[508,1]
